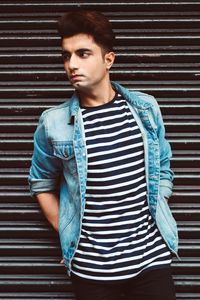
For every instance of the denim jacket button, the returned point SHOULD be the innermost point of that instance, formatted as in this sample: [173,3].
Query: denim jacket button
[72,244]
[66,153]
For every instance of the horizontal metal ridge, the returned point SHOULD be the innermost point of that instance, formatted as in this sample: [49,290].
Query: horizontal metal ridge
[39,101]
[132,85]
[168,118]
[194,207]
[188,277]
[128,36]
[43,75]
[47,67]
[21,120]
[36,277]
[43,241]
[182,135]
[116,69]
[110,14]
[189,223]
[15,108]
[188,296]
[22,244]
[177,153]
[12,190]
[29,206]
[56,49]
[28,137]
[145,18]
[15,152]
[164,102]
[28,158]
[42,223]
[54,261]
[25,4]
[37,296]
[26,261]
[179,172]
[193,242]
[184,206]
[188,27]
[24,249]
[21,208]
[63,84]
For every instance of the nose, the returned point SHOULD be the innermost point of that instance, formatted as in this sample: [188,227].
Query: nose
[73,63]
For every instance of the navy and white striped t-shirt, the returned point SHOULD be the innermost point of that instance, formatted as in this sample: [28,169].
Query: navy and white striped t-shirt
[119,238]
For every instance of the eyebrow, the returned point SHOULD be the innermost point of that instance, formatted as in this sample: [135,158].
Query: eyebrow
[83,50]
[78,50]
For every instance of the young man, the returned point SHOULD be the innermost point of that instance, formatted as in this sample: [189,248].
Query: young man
[101,173]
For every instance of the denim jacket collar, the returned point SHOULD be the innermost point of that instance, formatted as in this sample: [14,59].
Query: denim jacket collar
[131,97]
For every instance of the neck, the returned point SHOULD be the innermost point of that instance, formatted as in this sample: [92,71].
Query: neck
[98,96]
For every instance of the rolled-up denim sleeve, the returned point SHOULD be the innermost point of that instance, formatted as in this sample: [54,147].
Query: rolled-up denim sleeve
[46,167]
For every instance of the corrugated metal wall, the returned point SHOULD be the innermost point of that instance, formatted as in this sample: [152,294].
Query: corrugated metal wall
[158,52]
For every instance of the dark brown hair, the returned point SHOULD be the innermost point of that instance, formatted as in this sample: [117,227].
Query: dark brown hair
[89,22]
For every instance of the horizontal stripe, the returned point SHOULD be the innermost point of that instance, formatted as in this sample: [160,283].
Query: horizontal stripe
[121,260]
[114,134]
[111,143]
[111,151]
[113,186]
[142,240]
[107,118]
[117,159]
[131,213]
[118,253]
[132,205]
[117,223]
[112,178]
[102,111]
[109,127]
[111,169]
[118,193]
[110,203]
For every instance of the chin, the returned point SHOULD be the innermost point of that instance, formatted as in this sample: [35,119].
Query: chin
[77,85]
[80,86]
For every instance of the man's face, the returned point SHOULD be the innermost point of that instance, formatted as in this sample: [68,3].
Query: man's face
[84,64]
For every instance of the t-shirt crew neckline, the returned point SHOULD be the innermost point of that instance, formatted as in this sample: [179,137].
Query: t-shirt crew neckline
[102,105]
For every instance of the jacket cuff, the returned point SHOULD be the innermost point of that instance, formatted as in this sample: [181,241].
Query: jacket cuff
[166,188]
[42,185]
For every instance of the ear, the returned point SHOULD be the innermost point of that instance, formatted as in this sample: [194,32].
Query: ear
[109,59]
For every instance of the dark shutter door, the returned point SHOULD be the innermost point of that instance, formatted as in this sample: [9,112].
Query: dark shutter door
[158,53]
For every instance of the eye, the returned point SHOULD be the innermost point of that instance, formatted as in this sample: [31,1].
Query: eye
[84,54]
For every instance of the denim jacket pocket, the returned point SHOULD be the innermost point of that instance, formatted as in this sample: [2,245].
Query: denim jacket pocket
[65,151]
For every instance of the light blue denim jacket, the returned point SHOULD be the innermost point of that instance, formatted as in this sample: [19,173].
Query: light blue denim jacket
[59,165]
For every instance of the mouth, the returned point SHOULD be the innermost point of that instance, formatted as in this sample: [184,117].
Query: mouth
[76,77]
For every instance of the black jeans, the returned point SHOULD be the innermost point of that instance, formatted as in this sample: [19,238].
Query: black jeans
[150,285]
